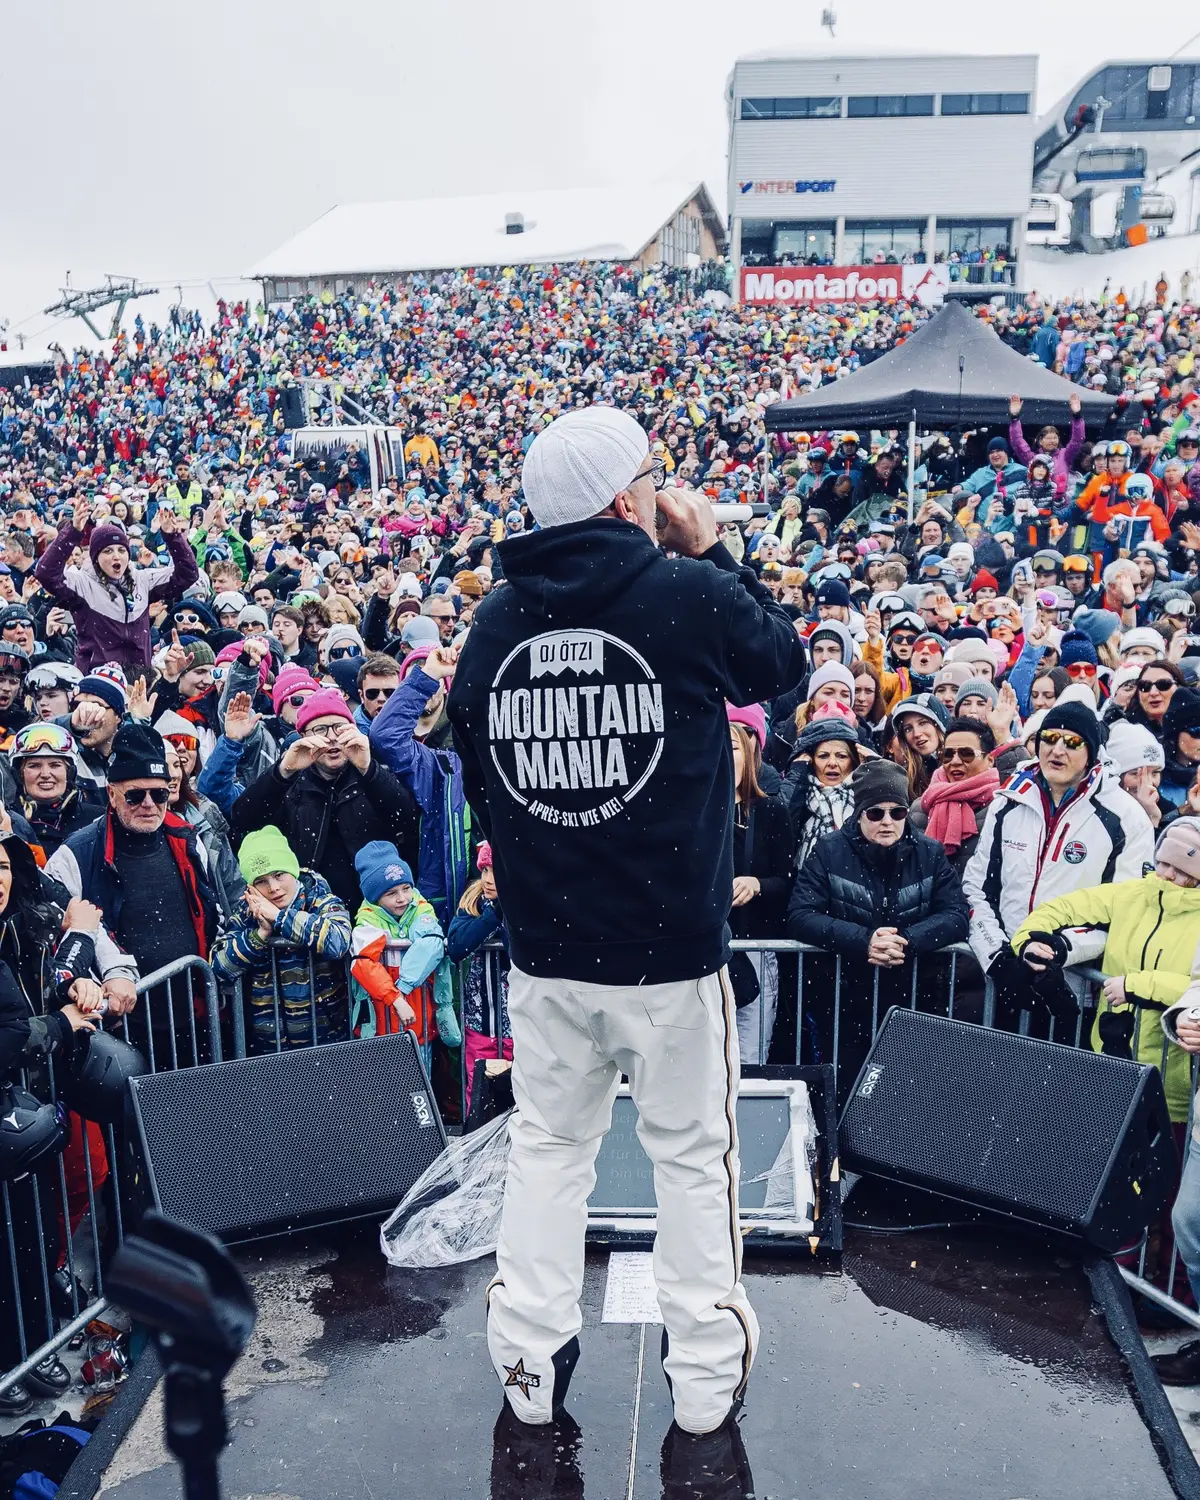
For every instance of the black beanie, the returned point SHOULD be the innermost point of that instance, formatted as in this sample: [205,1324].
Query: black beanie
[138,754]
[878,781]
[1080,720]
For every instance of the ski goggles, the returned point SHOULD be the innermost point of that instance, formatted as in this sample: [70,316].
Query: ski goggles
[1119,449]
[44,739]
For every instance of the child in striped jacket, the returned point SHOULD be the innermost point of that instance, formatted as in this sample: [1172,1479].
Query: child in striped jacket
[290,942]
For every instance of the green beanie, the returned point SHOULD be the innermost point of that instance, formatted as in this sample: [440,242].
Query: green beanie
[266,852]
[199,654]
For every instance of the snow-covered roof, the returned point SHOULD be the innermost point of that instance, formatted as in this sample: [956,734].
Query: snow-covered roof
[858,54]
[428,234]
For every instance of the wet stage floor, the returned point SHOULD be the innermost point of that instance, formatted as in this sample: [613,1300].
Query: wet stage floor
[941,1365]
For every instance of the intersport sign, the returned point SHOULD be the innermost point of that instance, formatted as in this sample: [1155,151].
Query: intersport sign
[807,286]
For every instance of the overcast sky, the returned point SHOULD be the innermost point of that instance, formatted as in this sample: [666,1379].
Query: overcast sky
[175,142]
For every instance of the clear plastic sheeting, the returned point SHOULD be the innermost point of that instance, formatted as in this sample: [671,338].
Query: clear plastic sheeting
[790,1190]
[452,1212]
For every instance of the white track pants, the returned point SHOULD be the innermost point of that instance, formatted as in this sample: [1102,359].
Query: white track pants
[677,1044]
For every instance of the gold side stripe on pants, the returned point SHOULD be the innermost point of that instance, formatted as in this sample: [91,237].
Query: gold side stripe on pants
[745,1380]
[735,1238]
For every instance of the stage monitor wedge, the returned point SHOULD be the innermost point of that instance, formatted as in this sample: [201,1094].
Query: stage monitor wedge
[1061,1137]
[314,1135]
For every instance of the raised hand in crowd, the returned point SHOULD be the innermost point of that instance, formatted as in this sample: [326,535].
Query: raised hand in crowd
[440,664]
[356,747]
[175,661]
[240,717]
[1003,716]
[140,703]
[299,755]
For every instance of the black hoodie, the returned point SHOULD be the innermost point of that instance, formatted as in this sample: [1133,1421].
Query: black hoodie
[589,710]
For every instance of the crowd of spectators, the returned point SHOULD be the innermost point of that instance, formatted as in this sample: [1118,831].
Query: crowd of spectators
[224,673]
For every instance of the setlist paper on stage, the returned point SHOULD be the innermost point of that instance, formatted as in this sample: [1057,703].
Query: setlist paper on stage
[630,1295]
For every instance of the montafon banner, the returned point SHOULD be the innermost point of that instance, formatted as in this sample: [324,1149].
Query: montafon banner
[809,286]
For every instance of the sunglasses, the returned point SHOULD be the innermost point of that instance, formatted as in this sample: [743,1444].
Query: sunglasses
[1063,737]
[1081,669]
[370,694]
[877,814]
[187,618]
[343,653]
[656,473]
[136,795]
[957,753]
[898,638]
[1157,685]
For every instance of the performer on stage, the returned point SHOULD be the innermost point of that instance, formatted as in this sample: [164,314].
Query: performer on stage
[589,710]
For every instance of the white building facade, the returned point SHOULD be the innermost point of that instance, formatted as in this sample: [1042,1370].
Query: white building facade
[843,160]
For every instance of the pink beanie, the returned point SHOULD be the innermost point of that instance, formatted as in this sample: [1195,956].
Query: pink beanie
[414,659]
[234,650]
[325,703]
[292,680]
[753,716]
[832,710]
[483,859]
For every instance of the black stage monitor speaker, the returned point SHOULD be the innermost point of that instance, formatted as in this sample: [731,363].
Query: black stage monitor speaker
[1057,1136]
[315,1135]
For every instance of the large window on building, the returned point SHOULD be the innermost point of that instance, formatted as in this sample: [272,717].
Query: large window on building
[970,238]
[985,104]
[823,108]
[873,106]
[891,240]
[1169,92]
[680,239]
[802,243]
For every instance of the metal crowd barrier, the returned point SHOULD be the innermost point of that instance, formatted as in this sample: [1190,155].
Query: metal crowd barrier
[184,1018]
[167,1030]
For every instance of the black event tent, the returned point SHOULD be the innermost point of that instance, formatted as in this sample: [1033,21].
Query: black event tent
[920,380]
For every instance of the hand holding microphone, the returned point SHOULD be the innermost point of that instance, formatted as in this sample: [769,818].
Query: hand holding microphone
[685,522]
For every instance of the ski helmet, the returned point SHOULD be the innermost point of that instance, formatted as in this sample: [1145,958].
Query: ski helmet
[95,1086]
[30,1131]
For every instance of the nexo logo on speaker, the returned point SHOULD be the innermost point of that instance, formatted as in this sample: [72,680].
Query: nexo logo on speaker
[873,1074]
[422,1111]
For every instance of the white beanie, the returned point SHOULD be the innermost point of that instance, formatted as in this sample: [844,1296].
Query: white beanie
[1077,692]
[575,466]
[832,671]
[1131,746]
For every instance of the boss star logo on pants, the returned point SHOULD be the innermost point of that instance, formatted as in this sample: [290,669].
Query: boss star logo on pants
[519,1376]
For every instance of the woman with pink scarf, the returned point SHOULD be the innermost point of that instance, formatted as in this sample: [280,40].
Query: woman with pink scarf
[951,808]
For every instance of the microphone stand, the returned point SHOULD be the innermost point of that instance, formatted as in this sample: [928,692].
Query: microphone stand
[185,1285]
